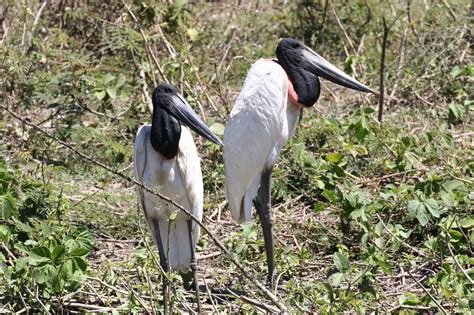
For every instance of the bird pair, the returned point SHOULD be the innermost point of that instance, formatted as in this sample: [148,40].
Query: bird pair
[261,122]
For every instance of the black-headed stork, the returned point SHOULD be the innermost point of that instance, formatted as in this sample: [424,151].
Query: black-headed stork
[262,120]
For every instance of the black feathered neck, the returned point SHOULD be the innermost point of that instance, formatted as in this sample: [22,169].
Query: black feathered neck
[306,84]
[165,128]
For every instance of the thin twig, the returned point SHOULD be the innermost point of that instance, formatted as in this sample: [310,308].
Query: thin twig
[377,179]
[147,44]
[35,22]
[382,68]
[459,265]
[410,22]
[198,77]
[253,302]
[440,307]
[90,307]
[38,300]
[210,296]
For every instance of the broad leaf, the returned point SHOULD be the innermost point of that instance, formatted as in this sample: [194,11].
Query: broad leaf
[7,206]
[79,252]
[335,157]
[342,262]
[58,254]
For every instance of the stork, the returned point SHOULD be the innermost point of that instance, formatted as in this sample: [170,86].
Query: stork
[165,157]
[262,120]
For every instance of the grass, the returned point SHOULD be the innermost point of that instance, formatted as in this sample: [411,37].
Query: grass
[369,216]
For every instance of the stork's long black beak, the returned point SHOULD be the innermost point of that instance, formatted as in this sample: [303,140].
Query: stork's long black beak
[185,114]
[323,68]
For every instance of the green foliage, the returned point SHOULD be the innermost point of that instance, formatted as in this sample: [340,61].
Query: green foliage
[361,208]
[41,252]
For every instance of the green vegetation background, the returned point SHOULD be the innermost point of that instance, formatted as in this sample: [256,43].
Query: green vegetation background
[369,216]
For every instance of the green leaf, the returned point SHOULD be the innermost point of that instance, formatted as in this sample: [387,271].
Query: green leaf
[5,233]
[45,274]
[456,112]
[335,157]
[39,256]
[330,195]
[336,279]
[457,71]
[58,254]
[67,270]
[217,128]
[112,92]
[455,234]
[80,263]
[433,207]
[417,210]
[20,263]
[173,215]
[319,207]
[108,78]
[78,252]
[380,242]
[409,299]
[41,252]
[451,185]
[100,95]
[468,222]
[193,34]
[120,81]
[7,206]
[342,262]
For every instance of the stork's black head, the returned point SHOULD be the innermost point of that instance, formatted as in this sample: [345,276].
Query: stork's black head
[303,67]
[162,94]
[165,97]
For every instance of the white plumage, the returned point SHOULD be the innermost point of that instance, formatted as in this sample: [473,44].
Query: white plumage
[263,119]
[260,124]
[178,178]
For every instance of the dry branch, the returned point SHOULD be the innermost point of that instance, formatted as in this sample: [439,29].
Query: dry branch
[382,69]
[146,43]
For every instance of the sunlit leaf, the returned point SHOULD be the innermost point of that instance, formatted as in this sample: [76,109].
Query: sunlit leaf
[335,157]
[342,262]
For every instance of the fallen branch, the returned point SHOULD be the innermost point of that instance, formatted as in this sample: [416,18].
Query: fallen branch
[459,265]
[382,69]
[378,179]
[440,307]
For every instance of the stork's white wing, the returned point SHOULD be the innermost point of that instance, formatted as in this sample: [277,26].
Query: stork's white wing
[190,168]
[253,134]
[139,158]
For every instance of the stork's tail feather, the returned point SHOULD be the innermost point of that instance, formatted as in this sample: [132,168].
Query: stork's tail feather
[176,243]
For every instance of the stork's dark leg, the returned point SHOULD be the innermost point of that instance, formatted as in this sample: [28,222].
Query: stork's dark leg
[263,206]
[164,264]
[193,265]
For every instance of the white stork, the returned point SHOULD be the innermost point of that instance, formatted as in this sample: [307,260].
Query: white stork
[165,158]
[261,122]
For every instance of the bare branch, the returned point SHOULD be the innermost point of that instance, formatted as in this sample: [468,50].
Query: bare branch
[382,69]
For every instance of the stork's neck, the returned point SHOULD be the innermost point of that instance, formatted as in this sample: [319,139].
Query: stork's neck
[165,133]
[292,94]
[305,86]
